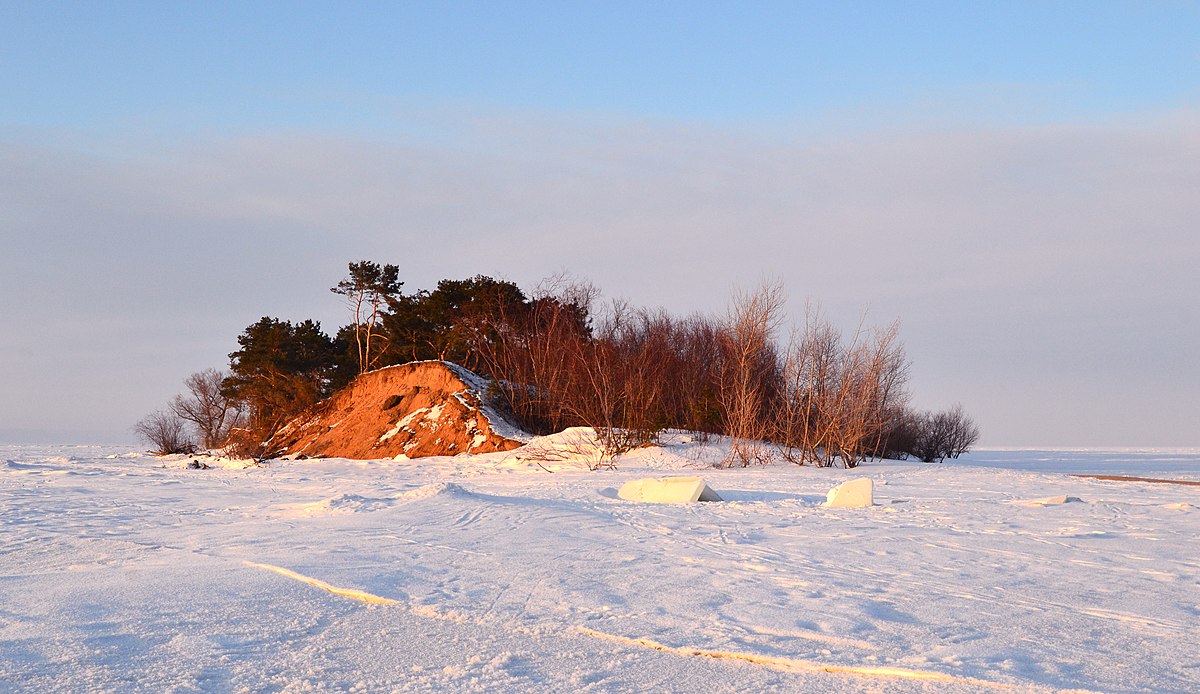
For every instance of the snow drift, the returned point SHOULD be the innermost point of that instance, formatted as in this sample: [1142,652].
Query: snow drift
[414,410]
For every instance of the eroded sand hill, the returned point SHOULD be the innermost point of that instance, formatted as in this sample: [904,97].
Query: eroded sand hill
[416,410]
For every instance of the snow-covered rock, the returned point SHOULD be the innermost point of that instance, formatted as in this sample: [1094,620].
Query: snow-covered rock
[668,490]
[855,493]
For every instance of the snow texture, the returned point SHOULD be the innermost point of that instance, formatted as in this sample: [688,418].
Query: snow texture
[124,572]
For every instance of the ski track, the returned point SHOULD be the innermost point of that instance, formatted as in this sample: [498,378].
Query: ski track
[120,574]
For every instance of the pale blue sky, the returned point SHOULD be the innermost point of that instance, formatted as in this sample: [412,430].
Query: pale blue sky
[1014,181]
[234,65]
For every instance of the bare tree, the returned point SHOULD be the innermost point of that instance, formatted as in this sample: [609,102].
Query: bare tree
[751,371]
[166,431]
[624,368]
[963,432]
[212,413]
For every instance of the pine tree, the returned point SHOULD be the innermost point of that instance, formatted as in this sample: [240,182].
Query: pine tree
[280,369]
[367,290]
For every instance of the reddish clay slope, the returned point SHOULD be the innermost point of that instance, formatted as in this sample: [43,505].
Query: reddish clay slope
[419,409]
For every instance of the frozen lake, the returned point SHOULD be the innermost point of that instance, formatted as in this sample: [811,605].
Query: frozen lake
[1180,463]
[122,572]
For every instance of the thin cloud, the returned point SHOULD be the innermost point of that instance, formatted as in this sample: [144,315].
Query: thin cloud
[1036,269]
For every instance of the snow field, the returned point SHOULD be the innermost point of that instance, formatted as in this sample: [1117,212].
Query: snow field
[489,573]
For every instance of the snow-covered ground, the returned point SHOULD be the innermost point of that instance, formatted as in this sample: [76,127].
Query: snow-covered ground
[122,572]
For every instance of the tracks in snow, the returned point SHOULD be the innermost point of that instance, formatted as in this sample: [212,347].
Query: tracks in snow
[775,662]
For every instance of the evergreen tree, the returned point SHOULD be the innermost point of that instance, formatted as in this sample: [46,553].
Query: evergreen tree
[450,322]
[280,369]
[367,290]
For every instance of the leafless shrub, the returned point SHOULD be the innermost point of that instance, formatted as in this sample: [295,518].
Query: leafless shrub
[941,435]
[872,378]
[750,379]
[964,433]
[900,433]
[692,387]
[536,352]
[166,431]
[837,400]
[806,417]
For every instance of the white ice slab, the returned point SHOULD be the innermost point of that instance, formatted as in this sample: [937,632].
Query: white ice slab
[668,490]
[855,493]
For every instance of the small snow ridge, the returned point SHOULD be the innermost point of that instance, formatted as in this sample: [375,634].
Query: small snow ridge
[1049,501]
[14,465]
[429,490]
[345,503]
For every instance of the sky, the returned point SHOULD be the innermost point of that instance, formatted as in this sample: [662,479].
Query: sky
[1016,183]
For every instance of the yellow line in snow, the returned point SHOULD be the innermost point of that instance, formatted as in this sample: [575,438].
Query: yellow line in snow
[772,661]
[805,665]
[345,592]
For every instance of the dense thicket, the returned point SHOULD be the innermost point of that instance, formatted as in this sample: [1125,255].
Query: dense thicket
[560,358]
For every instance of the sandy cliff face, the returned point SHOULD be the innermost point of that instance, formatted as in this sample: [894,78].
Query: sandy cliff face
[419,409]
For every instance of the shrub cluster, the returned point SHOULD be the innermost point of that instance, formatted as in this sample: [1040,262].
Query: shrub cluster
[559,358]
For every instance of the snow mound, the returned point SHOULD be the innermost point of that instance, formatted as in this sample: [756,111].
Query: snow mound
[25,468]
[668,490]
[574,448]
[578,448]
[856,493]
